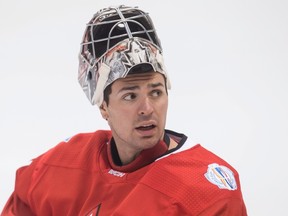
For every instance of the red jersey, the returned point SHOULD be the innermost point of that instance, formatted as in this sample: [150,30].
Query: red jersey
[81,176]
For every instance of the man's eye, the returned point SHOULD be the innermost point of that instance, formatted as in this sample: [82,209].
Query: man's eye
[129,96]
[156,93]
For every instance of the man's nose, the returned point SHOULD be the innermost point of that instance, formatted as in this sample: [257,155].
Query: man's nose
[145,106]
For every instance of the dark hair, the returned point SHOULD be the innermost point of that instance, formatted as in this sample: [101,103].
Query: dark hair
[107,92]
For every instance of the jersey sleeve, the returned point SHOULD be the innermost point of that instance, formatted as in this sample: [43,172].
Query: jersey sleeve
[17,204]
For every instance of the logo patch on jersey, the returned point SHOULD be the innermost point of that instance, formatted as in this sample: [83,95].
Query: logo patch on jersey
[221,176]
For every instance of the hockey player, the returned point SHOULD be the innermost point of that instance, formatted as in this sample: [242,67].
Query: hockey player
[138,167]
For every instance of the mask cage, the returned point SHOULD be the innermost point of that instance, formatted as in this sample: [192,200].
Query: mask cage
[112,25]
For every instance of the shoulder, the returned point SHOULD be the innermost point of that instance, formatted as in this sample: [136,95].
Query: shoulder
[77,148]
[195,176]
[202,164]
[73,152]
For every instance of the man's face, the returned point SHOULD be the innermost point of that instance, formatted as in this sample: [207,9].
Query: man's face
[137,111]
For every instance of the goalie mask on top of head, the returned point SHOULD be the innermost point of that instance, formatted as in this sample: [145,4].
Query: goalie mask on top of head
[116,40]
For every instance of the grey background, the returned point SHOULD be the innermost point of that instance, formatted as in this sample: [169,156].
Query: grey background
[227,60]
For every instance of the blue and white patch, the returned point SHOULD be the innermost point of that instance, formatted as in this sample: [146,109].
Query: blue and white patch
[221,176]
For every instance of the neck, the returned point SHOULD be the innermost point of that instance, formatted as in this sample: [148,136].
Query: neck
[135,161]
[127,157]
[173,144]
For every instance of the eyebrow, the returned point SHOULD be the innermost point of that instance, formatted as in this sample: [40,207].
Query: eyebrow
[155,85]
[150,85]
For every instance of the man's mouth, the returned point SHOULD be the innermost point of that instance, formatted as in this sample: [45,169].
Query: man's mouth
[146,127]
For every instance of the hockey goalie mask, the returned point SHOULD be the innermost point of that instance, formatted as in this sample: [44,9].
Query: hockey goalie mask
[116,40]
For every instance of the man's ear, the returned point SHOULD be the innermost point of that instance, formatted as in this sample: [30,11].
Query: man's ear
[104,110]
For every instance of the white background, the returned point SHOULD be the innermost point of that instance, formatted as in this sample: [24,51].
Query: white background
[227,60]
